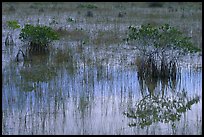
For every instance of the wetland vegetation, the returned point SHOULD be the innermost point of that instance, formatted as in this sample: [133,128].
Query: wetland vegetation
[101,68]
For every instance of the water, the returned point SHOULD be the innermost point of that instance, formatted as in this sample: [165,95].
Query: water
[89,89]
[48,97]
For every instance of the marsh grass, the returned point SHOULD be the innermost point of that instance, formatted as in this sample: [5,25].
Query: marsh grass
[76,34]
[135,13]
[63,56]
[77,81]
[107,37]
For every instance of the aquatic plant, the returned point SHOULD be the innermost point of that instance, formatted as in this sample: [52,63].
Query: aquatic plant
[89,14]
[155,4]
[12,25]
[121,14]
[38,37]
[9,39]
[20,56]
[11,8]
[70,20]
[88,6]
[160,48]
[53,22]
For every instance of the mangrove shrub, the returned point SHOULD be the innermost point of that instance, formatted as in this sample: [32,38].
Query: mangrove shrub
[160,48]
[12,25]
[38,37]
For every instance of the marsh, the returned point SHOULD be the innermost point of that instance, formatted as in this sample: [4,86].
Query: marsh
[89,82]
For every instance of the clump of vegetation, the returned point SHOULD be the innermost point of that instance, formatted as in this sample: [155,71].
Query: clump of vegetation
[53,22]
[107,37]
[70,19]
[121,14]
[89,14]
[12,25]
[160,48]
[155,4]
[77,34]
[11,8]
[88,6]
[38,37]
[41,10]
[33,7]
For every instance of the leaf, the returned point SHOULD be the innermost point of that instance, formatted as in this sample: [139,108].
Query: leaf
[13,24]
[40,35]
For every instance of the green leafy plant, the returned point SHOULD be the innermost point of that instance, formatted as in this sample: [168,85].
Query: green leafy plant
[53,22]
[38,37]
[155,4]
[13,24]
[163,37]
[88,6]
[70,20]
[159,48]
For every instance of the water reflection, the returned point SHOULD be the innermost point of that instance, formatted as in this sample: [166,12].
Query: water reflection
[72,93]
[163,100]
[153,109]
[35,71]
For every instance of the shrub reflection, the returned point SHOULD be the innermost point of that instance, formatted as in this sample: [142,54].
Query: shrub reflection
[159,108]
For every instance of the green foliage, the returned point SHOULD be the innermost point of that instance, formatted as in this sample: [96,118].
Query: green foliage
[159,49]
[164,37]
[155,4]
[13,24]
[88,6]
[38,35]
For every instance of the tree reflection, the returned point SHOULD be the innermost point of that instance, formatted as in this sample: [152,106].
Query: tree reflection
[35,71]
[153,108]
[43,68]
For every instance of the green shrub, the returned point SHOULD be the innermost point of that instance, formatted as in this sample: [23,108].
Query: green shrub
[155,4]
[164,38]
[89,14]
[13,24]
[88,6]
[159,49]
[70,19]
[38,37]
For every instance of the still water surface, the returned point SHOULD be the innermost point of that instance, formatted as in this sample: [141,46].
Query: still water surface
[90,91]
